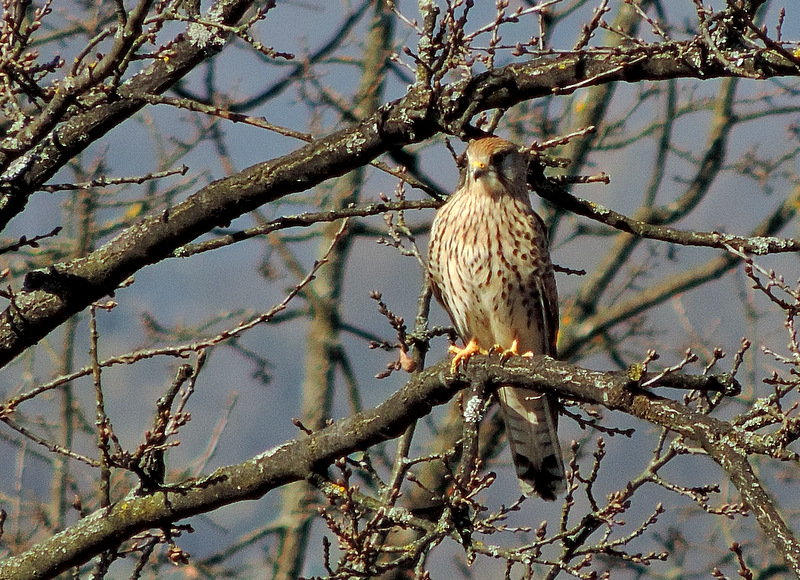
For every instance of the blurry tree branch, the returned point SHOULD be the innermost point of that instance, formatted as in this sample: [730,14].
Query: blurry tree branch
[51,297]
[388,506]
[38,152]
[758,242]
[298,459]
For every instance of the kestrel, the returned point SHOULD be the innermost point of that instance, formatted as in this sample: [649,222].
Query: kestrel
[490,268]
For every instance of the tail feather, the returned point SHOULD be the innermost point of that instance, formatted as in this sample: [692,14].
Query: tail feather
[531,422]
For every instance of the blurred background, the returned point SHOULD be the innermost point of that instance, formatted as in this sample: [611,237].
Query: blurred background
[707,155]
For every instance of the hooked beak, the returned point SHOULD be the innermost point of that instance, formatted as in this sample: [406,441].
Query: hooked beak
[479,169]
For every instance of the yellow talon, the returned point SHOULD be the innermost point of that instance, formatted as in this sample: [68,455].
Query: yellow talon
[514,351]
[464,354]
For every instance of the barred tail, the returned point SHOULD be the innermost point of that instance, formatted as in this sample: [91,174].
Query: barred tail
[531,421]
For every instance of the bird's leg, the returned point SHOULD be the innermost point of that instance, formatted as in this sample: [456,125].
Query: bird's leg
[464,354]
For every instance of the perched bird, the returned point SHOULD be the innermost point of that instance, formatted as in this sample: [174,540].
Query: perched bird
[489,266]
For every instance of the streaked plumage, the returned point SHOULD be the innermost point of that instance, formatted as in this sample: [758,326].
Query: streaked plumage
[490,268]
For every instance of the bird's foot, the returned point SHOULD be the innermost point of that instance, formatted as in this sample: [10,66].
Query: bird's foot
[462,355]
[513,350]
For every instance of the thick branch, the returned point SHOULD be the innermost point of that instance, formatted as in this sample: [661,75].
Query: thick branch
[759,245]
[293,461]
[42,160]
[298,459]
[49,298]
[727,446]
[563,73]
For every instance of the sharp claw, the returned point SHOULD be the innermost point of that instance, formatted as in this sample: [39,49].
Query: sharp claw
[506,353]
[513,350]
[462,355]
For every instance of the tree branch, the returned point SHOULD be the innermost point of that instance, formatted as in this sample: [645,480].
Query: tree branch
[27,165]
[49,298]
[756,244]
[300,458]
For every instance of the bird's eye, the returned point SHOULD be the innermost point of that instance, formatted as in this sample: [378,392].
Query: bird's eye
[497,158]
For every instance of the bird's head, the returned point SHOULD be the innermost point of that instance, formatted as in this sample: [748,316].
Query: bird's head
[496,166]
